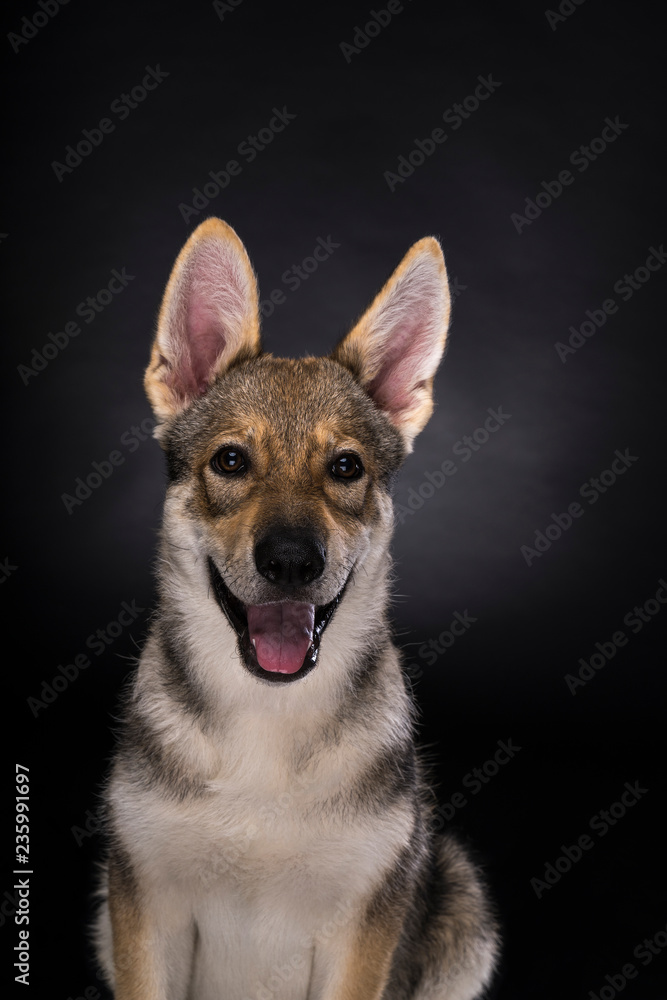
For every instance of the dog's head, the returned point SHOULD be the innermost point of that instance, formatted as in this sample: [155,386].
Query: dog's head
[281,468]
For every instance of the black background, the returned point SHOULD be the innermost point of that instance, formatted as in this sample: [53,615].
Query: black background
[323,176]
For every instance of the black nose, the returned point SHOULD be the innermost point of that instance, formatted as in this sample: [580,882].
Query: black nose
[290,557]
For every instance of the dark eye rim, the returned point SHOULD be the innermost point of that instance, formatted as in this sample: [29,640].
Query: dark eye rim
[356,474]
[220,470]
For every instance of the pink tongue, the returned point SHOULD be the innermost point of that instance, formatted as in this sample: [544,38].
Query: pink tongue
[281,634]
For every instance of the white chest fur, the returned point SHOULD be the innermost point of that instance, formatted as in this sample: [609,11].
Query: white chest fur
[265,866]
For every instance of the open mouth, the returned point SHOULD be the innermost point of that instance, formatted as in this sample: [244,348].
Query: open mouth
[280,641]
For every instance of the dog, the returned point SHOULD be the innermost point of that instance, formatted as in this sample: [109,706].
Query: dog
[270,827]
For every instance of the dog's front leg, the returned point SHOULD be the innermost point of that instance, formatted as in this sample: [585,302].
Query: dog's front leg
[135,948]
[152,956]
[356,962]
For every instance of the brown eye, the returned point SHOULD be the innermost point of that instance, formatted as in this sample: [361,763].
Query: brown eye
[228,461]
[347,466]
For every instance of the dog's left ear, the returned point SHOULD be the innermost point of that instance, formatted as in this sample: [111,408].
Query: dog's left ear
[209,318]
[396,347]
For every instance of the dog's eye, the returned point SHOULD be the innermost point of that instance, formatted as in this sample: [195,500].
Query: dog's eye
[228,460]
[347,466]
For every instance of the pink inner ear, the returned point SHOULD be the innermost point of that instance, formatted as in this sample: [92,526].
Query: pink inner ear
[207,341]
[210,308]
[406,362]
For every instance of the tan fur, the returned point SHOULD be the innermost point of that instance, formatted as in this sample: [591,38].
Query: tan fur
[368,962]
[134,951]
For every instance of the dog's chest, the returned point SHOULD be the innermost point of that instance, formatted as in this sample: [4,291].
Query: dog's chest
[267,867]
[264,825]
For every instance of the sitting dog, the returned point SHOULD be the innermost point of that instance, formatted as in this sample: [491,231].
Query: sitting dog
[270,828]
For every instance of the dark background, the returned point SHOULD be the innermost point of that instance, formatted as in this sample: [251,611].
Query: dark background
[66,574]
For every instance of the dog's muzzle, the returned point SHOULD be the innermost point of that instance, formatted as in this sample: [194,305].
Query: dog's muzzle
[278,642]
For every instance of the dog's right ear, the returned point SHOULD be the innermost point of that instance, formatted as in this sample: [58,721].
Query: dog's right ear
[209,318]
[396,346]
